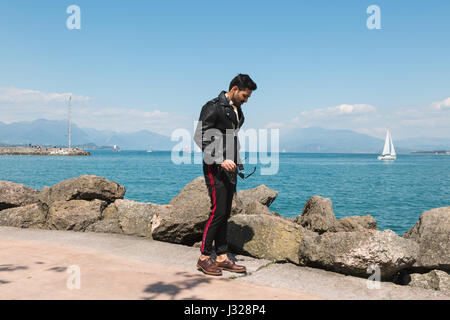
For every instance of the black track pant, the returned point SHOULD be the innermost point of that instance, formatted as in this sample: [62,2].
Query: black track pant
[221,193]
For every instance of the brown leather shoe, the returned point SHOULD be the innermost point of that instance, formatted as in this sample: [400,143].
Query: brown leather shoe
[208,266]
[229,265]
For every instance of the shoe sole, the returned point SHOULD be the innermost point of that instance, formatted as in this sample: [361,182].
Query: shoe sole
[235,271]
[208,272]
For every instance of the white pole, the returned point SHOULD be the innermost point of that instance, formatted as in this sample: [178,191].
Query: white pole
[70,120]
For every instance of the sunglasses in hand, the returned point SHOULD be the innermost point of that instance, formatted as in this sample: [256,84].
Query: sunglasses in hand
[243,176]
[241,173]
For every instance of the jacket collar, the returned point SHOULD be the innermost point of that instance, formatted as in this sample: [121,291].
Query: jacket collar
[223,99]
[224,102]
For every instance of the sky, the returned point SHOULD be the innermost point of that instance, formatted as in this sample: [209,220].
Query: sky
[151,65]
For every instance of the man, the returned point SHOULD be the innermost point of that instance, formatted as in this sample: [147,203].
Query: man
[216,134]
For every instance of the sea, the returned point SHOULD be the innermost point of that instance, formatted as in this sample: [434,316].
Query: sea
[395,193]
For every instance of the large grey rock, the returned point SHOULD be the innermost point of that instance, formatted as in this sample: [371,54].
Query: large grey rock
[266,237]
[261,193]
[356,223]
[255,207]
[111,211]
[237,207]
[28,216]
[352,253]
[435,279]
[110,222]
[183,221]
[86,187]
[135,218]
[16,195]
[193,195]
[76,215]
[106,226]
[432,233]
[318,215]
[171,225]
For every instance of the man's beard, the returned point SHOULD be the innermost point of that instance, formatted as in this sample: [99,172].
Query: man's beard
[236,101]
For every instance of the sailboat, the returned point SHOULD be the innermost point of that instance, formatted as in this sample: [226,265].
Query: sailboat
[388,150]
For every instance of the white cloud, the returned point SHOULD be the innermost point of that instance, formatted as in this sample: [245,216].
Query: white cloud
[344,116]
[428,121]
[353,109]
[441,105]
[28,105]
[275,125]
[16,95]
[340,110]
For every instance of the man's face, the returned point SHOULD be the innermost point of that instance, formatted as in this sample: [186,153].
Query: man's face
[240,97]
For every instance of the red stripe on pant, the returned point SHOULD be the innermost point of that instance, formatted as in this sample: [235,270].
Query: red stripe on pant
[213,209]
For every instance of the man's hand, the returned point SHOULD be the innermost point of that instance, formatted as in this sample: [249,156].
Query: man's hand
[229,165]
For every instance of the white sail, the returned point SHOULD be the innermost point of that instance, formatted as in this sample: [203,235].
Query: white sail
[387,144]
[388,149]
[391,145]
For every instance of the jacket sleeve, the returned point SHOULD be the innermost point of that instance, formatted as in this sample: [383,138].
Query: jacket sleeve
[239,163]
[207,121]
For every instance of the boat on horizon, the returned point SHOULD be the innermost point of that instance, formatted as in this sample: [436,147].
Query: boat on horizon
[388,150]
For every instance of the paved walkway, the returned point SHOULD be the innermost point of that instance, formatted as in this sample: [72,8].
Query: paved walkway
[47,264]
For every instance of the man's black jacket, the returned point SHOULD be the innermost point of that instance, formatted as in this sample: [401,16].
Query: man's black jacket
[218,126]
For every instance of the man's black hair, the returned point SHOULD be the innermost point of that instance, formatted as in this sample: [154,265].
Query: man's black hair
[243,81]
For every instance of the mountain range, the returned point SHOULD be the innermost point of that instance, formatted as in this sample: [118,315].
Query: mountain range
[316,139]
[313,139]
[55,132]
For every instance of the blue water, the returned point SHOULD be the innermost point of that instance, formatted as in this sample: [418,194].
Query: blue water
[395,193]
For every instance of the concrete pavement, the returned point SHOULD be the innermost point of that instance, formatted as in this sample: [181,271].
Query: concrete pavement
[49,264]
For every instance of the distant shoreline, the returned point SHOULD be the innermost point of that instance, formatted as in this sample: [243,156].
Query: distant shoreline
[43,150]
[46,151]
[432,152]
